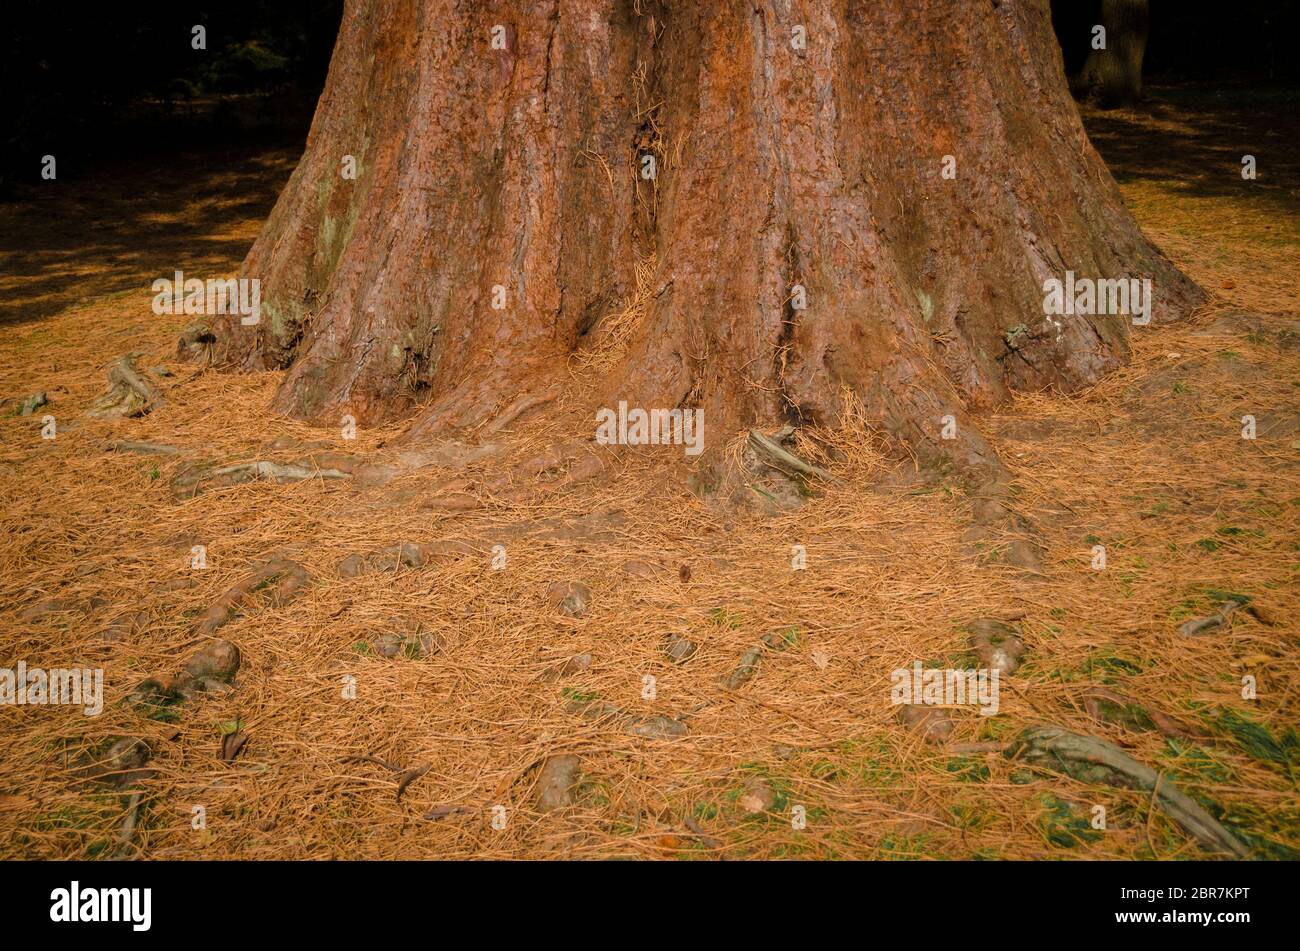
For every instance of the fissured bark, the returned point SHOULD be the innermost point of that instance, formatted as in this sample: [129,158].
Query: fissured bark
[915,166]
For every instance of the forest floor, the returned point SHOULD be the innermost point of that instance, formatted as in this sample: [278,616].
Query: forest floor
[327,748]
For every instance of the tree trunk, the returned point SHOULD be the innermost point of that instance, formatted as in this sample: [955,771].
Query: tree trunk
[794,145]
[1113,76]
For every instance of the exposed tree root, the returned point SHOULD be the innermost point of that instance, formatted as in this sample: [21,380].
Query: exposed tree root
[1092,760]
[1194,627]
[1107,706]
[116,761]
[146,448]
[557,781]
[394,558]
[1009,537]
[210,669]
[275,583]
[129,394]
[195,343]
[127,834]
[553,470]
[997,646]
[30,404]
[651,728]
[214,665]
[778,457]
[198,479]
[521,407]
[760,474]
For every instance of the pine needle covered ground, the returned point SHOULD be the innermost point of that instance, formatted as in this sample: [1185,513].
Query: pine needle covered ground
[443,749]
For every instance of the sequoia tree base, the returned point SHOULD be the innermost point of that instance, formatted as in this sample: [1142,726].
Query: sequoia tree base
[510,209]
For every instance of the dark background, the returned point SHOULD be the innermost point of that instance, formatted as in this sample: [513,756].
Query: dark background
[1198,40]
[89,83]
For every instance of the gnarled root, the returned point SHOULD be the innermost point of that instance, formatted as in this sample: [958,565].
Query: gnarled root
[275,583]
[129,394]
[193,481]
[1091,760]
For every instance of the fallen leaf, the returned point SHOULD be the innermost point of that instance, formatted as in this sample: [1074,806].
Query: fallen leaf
[443,811]
[231,744]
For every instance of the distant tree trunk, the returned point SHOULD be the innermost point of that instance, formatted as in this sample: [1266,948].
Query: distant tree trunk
[503,236]
[1113,76]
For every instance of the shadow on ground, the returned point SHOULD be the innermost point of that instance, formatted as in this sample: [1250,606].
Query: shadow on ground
[63,242]
[1191,139]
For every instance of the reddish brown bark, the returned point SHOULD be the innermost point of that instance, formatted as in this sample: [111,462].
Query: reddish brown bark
[776,166]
